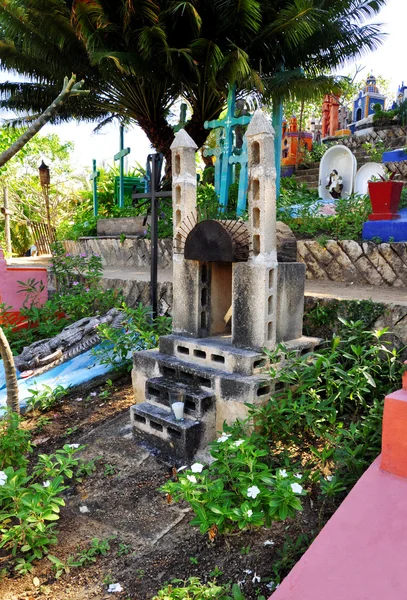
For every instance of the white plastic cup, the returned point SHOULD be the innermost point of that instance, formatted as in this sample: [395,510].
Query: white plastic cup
[178,410]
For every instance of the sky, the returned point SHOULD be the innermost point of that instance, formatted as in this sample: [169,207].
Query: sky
[388,61]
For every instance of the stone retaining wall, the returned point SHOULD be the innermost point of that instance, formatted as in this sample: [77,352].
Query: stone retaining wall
[346,261]
[132,252]
[355,262]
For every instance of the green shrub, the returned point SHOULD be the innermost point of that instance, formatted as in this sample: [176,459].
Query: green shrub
[236,490]
[30,501]
[193,589]
[347,223]
[139,331]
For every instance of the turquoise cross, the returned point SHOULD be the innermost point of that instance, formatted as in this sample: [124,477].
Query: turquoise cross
[243,178]
[218,153]
[120,156]
[94,177]
[227,123]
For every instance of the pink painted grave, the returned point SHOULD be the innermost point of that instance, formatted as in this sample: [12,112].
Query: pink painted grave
[10,293]
[360,554]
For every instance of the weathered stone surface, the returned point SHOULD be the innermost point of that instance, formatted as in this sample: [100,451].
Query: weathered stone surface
[382,266]
[352,249]
[286,243]
[119,226]
[314,271]
[319,252]
[126,254]
[371,275]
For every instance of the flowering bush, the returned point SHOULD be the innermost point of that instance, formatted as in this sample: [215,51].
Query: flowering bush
[237,490]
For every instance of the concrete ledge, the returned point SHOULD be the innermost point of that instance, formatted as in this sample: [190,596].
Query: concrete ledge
[360,553]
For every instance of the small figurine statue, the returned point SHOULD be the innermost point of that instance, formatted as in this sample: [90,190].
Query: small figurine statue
[334,184]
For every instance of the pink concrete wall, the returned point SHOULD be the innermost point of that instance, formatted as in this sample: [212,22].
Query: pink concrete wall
[9,288]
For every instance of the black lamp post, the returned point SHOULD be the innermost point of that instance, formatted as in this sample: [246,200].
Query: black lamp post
[45,180]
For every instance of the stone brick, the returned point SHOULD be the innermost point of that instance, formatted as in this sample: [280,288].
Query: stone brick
[352,249]
[314,271]
[364,266]
[320,253]
[372,252]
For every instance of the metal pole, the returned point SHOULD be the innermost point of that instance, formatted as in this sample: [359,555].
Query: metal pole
[154,235]
[95,189]
[7,223]
[121,180]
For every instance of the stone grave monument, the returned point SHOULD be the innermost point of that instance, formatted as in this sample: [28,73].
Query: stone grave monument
[232,300]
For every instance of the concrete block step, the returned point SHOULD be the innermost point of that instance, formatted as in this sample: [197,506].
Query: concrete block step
[163,434]
[216,352]
[197,401]
[229,385]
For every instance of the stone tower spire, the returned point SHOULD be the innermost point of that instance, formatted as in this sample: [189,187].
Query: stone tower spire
[255,282]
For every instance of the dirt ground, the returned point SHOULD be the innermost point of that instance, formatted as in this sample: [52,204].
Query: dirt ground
[151,542]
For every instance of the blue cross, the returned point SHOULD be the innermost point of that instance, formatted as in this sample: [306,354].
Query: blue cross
[227,123]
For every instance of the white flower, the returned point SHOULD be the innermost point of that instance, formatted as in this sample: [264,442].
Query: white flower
[74,446]
[197,468]
[249,513]
[296,488]
[84,509]
[191,478]
[237,443]
[270,585]
[248,571]
[3,478]
[298,476]
[256,578]
[268,543]
[93,394]
[240,583]
[114,587]
[181,468]
[283,473]
[224,437]
[79,399]
[253,491]
[46,483]
[329,477]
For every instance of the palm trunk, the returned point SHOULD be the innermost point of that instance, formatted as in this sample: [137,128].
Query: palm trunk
[13,404]
[70,89]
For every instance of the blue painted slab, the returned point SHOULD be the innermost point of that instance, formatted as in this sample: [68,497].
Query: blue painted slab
[394,156]
[72,373]
[396,229]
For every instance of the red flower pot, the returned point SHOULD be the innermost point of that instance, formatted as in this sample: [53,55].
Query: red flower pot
[385,199]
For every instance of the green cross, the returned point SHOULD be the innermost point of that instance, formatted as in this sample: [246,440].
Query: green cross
[218,153]
[182,118]
[120,156]
[94,177]
[227,123]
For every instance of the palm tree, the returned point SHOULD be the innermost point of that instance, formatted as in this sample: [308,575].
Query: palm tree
[10,374]
[138,56]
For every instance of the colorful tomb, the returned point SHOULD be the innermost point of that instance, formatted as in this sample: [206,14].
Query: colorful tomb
[365,101]
[291,152]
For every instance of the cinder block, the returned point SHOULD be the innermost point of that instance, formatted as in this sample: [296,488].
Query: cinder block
[160,430]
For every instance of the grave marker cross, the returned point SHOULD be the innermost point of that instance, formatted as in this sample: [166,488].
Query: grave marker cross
[228,122]
[120,156]
[94,177]
[154,162]
[218,153]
